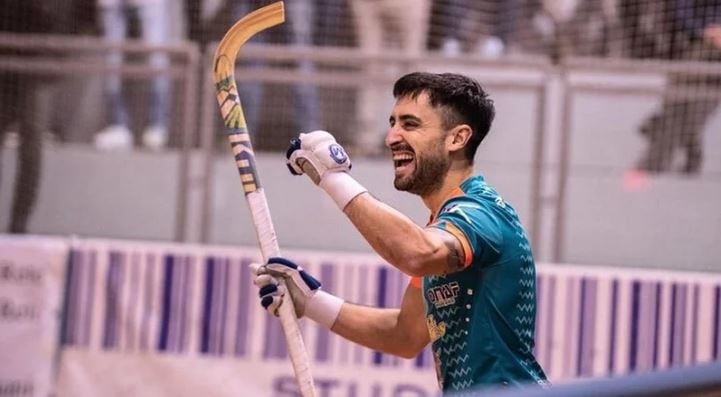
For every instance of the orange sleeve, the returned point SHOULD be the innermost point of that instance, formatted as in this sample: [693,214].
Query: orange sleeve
[416,282]
[467,252]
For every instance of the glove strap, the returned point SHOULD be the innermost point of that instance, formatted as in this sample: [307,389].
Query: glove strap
[341,187]
[323,308]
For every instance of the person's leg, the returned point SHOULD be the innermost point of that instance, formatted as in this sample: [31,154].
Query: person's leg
[448,16]
[27,176]
[404,24]
[511,14]
[8,107]
[702,100]
[697,113]
[661,131]
[117,135]
[115,30]
[300,17]
[370,34]
[9,96]
[368,27]
[412,20]
[155,31]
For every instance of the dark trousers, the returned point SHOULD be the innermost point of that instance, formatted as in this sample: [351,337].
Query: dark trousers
[679,124]
[690,99]
[18,103]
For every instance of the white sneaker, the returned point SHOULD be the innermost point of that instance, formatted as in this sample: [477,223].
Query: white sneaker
[155,137]
[491,47]
[114,137]
[451,48]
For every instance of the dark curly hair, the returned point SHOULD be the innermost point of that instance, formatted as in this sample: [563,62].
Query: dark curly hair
[462,101]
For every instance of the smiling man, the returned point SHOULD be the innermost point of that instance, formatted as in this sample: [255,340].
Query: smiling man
[472,292]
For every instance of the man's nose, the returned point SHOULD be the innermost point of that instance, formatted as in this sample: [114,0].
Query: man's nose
[392,136]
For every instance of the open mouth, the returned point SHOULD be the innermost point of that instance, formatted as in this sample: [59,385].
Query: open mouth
[402,160]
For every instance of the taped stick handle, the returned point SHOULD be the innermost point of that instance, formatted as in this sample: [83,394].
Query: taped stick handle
[230,108]
[286,313]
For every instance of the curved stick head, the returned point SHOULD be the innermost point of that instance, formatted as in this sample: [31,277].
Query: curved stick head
[226,89]
[224,61]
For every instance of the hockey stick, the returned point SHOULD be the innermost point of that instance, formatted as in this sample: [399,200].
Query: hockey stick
[230,108]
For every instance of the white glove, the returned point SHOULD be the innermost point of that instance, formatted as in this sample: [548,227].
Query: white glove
[318,155]
[321,152]
[308,299]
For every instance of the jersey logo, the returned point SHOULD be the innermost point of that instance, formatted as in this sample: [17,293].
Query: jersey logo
[435,330]
[458,209]
[443,295]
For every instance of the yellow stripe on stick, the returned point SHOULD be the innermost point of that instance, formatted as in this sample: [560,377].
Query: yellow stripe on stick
[242,164]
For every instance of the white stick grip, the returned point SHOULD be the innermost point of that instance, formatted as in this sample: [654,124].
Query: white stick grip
[269,248]
[296,348]
[264,229]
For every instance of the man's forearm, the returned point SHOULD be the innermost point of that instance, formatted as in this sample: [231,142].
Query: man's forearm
[394,236]
[376,328]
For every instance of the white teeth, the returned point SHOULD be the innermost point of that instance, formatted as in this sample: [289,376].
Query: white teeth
[401,157]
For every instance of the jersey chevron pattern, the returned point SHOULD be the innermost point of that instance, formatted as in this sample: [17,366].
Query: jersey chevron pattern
[482,318]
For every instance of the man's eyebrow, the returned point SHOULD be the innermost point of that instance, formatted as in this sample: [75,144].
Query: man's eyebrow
[409,117]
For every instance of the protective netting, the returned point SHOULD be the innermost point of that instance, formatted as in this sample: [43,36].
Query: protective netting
[139,111]
[331,66]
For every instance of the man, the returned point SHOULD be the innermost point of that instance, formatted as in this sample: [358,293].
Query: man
[473,288]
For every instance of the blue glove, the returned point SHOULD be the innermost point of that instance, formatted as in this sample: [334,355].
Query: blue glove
[301,284]
[304,289]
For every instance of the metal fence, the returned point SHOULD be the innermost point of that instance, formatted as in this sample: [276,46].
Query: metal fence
[556,154]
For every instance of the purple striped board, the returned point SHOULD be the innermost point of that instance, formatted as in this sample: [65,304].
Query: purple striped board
[199,301]
[602,321]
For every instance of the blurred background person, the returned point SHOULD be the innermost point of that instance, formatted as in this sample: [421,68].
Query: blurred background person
[445,34]
[691,96]
[644,28]
[115,17]
[579,28]
[383,26]
[489,27]
[23,105]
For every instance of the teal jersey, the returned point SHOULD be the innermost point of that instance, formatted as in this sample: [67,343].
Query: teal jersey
[481,319]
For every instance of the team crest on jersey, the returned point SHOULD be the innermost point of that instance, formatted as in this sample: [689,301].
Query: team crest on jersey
[435,330]
[443,295]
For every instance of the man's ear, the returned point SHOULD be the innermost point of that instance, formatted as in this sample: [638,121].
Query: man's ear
[458,137]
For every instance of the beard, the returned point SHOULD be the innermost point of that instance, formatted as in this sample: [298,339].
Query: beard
[428,174]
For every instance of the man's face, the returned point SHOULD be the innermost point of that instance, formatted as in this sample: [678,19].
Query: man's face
[417,141]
